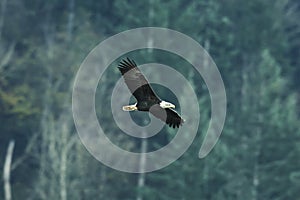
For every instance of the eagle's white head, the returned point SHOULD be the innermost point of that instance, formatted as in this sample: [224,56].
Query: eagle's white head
[165,104]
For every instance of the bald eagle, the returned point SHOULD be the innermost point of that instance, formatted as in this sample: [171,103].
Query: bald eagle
[146,98]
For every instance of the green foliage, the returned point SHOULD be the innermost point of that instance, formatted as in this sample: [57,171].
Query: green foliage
[19,102]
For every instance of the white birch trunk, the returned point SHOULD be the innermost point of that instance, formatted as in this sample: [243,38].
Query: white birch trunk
[7,170]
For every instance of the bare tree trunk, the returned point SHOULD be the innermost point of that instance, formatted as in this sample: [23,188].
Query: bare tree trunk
[6,55]
[257,150]
[48,30]
[246,105]
[142,164]
[141,179]
[102,184]
[2,15]
[206,165]
[71,20]
[18,161]
[6,170]
[63,164]
[67,143]
[150,20]
[243,103]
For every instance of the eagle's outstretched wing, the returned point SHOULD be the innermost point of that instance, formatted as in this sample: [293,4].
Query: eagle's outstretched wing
[136,81]
[168,115]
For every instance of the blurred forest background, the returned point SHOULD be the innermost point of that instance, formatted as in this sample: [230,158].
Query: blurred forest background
[256,46]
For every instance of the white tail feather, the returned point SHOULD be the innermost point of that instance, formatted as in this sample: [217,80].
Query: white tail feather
[129,108]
